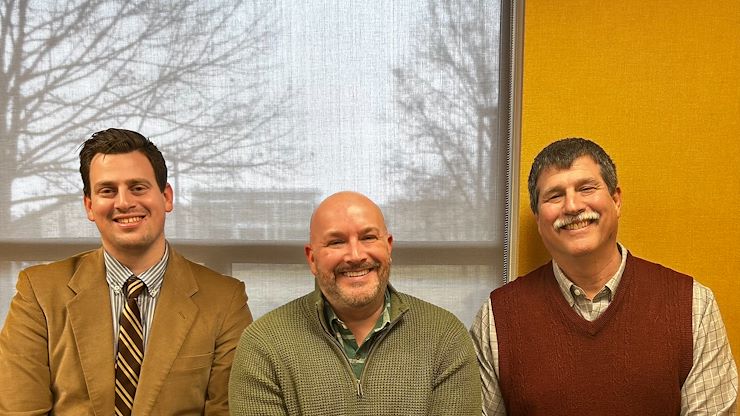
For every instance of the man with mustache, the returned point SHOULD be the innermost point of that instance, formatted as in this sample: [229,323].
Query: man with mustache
[132,327]
[354,346]
[598,330]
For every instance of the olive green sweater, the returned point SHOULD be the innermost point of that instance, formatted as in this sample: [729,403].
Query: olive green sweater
[288,363]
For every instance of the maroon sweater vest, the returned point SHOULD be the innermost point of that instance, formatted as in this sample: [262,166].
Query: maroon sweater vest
[632,360]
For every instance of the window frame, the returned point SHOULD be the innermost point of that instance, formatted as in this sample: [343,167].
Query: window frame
[221,255]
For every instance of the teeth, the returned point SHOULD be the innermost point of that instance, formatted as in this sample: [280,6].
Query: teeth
[576,222]
[129,220]
[357,273]
[576,225]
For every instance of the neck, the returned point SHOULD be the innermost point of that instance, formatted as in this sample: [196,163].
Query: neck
[591,272]
[139,261]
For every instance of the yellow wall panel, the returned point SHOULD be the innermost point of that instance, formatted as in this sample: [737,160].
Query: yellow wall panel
[657,84]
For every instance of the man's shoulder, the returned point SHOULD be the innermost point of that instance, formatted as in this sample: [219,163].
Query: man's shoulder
[286,321]
[63,268]
[426,327]
[525,282]
[655,270]
[203,274]
[421,312]
[414,303]
[288,312]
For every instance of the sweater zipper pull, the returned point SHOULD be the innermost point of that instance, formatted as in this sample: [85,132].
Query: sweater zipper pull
[359,389]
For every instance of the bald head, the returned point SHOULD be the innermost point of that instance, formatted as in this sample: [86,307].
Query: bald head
[350,252]
[344,203]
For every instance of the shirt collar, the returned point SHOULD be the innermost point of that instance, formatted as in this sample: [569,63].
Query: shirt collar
[569,288]
[116,273]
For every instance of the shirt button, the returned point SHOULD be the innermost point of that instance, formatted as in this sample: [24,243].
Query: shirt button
[577,292]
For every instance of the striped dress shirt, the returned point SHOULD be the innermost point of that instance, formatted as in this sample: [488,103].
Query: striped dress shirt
[116,274]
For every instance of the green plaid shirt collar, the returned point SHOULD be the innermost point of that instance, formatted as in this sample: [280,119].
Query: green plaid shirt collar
[357,356]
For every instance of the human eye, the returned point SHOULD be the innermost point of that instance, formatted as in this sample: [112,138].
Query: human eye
[106,192]
[553,197]
[369,238]
[335,242]
[588,188]
[139,188]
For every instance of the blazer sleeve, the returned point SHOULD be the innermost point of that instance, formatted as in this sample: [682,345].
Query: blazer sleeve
[238,316]
[24,358]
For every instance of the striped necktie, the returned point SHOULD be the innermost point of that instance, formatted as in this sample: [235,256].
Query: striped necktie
[130,348]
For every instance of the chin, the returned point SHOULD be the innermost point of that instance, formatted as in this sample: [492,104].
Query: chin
[581,250]
[360,298]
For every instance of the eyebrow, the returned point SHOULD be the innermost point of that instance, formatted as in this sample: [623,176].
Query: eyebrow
[556,188]
[130,182]
[366,230]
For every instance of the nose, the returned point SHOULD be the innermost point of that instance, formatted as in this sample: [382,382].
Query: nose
[355,252]
[573,204]
[123,200]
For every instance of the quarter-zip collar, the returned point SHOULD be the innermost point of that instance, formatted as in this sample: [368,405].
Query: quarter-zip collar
[397,310]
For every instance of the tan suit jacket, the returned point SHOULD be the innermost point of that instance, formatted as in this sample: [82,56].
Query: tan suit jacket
[57,345]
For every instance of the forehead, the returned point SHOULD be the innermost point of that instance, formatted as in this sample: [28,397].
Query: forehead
[346,216]
[582,168]
[120,166]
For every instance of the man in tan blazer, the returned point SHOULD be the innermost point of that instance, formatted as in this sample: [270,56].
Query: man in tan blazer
[59,343]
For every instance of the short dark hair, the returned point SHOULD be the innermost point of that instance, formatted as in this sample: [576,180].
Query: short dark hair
[561,154]
[118,141]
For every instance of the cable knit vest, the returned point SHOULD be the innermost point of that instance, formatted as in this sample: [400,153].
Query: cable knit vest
[632,360]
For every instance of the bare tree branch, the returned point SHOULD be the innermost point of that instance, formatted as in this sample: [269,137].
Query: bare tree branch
[193,75]
[447,92]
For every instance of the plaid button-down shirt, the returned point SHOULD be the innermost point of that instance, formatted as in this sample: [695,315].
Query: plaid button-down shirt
[357,356]
[710,388]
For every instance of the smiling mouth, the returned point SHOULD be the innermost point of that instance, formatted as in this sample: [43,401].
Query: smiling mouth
[576,222]
[576,225]
[356,270]
[356,273]
[131,220]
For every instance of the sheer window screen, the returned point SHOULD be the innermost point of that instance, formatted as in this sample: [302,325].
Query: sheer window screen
[262,109]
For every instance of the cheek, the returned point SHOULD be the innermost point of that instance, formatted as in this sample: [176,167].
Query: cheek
[96,210]
[382,256]
[543,222]
[325,262]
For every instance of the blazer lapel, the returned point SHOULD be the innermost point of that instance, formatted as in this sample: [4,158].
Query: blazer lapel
[89,314]
[173,316]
